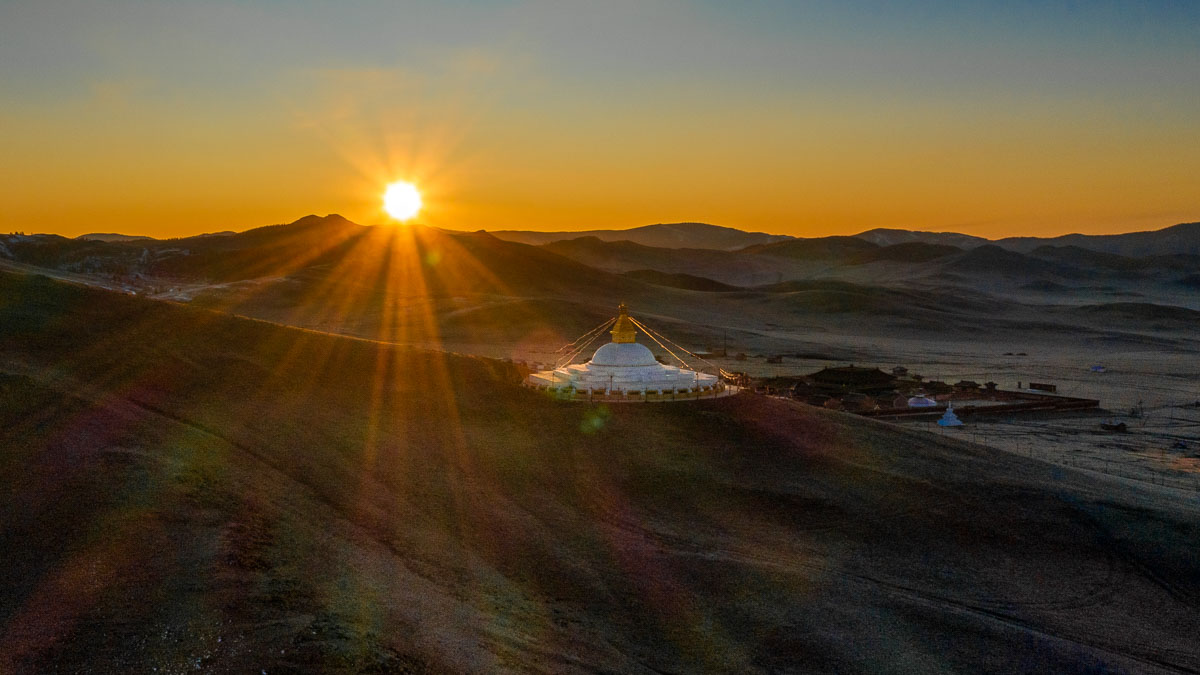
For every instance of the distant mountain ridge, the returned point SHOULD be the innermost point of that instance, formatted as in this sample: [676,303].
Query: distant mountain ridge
[689,282]
[111,237]
[660,235]
[329,244]
[890,237]
[1181,239]
[323,271]
[823,248]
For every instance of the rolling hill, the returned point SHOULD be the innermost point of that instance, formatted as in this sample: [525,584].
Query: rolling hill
[908,252]
[825,248]
[889,237]
[730,267]
[299,250]
[1182,238]
[685,281]
[186,489]
[429,287]
[662,235]
[112,236]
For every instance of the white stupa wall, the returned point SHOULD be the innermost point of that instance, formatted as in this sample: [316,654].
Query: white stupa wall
[624,369]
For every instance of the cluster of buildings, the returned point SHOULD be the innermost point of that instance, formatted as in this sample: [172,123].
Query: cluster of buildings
[859,389]
[874,392]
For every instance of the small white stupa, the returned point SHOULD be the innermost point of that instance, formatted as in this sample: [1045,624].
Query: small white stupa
[624,370]
[950,419]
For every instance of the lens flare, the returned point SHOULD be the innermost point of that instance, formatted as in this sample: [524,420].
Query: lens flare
[401,200]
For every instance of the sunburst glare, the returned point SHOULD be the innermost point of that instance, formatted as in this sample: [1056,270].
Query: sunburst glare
[402,200]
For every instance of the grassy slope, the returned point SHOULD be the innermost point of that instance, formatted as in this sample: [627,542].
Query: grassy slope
[684,281]
[188,488]
[330,274]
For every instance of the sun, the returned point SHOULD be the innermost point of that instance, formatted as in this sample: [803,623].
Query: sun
[402,200]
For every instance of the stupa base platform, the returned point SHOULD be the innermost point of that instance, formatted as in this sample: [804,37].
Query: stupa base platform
[624,371]
[650,396]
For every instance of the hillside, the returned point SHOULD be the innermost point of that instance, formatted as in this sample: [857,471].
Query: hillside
[621,254]
[889,237]
[735,268]
[662,235]
[685,281]
[413,284]
[1081,257]
[112,236]
[995,260]
[424,287]
[189,488]
[1182,238]
[908,252]
[277,263]
[824,248]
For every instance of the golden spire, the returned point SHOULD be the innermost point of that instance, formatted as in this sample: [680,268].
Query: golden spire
[623,330]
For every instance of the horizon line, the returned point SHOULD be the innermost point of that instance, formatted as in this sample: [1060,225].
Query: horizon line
[583,232]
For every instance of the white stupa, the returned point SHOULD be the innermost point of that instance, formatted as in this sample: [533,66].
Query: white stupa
[624,370]
[950,419]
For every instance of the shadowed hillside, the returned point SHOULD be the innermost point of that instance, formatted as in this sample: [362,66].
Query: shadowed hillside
[890,237]
[408,284]
[112,236]
[685,281]
[825,248]
[266,270]
[1073,255]
[311,243]
[186,490]
[1182,238]
[479,294]
[619,255]
[992,259]
[661,235]
[1143,312]
[909,252]
[730,267]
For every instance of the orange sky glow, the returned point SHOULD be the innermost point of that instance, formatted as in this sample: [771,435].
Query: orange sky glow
[183,120]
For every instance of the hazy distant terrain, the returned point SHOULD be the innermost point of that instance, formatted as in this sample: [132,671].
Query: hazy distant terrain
[110,236]
[663,235]
[187,489]
[1179,239]
[331,274]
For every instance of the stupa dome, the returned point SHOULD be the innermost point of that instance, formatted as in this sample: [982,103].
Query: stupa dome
[623,354]
[624,370]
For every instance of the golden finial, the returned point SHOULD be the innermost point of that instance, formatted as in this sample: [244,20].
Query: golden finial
[623,330]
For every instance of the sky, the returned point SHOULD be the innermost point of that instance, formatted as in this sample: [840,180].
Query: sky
[171,118]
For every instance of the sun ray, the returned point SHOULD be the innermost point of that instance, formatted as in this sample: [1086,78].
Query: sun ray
[402,200]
